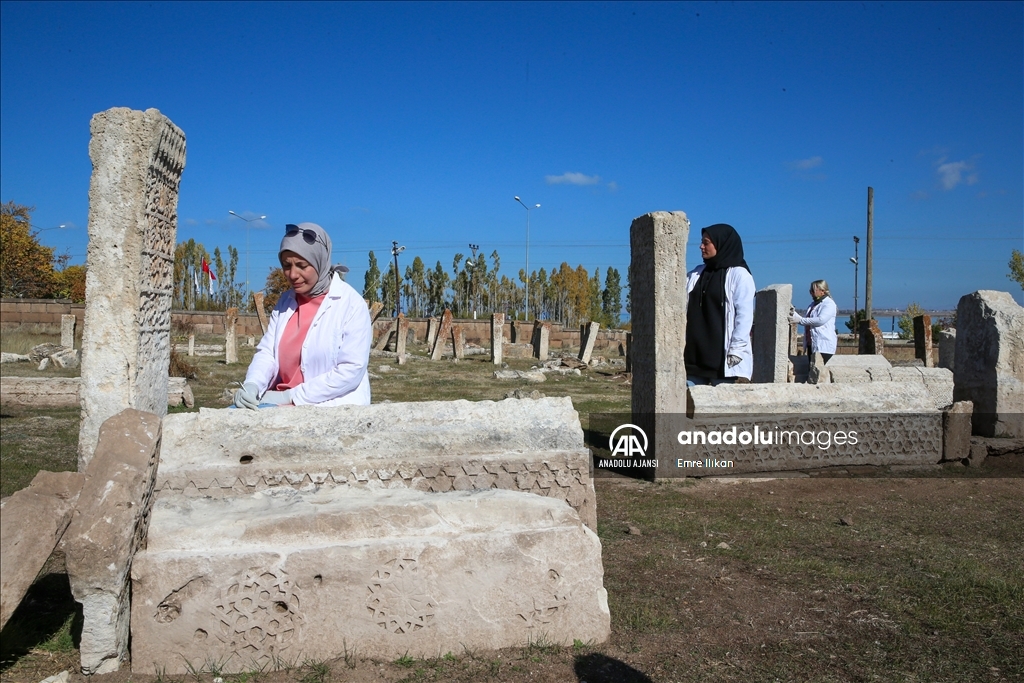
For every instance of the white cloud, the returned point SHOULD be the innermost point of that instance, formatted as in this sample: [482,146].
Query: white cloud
[568,178]
[191,221]
[613,186]
[805,164]
[952,173]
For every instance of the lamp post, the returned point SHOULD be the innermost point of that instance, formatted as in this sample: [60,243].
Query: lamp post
[395,251]
[472,265]
[528,210]
[855,260]
[248,224]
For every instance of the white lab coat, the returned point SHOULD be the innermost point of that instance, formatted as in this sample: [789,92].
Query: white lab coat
[335,353]
[820,319]
[739,316]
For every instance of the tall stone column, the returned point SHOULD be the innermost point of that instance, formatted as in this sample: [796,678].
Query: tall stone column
[658,293]
[402,327]
[923,339]
[588,337]
[771,334]
[137,160]
[67,331]
[231,336]
[497,336]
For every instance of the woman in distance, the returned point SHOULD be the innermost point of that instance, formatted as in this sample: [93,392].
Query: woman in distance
[819,322]
[317,345]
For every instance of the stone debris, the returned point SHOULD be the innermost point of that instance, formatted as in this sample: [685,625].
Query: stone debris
[525,375]
[43,364]
[66,358]
[724,546]
[522,394]
[271,575]
[63,392]
[108,527]
[62,677]
[14,358]
[41,351]
[32,522]
[846,521]
[956,431]
[633,531]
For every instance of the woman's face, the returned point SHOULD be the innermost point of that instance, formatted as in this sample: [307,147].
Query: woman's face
[707,247]
[299,272]
[816,292]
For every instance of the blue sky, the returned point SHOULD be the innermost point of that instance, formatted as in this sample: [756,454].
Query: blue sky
[420,122]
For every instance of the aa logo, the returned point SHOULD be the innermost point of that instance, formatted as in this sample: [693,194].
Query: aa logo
[628,445]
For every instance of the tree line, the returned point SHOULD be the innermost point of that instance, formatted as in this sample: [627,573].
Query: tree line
[477,285]
[30,270]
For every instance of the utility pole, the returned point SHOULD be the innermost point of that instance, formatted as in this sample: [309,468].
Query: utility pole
[868,269]
[856,266]
[395,251]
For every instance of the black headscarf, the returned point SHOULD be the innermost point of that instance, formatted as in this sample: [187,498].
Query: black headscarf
[705,312]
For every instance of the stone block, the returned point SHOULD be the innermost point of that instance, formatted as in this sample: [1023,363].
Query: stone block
[989,363]
[433,324]
[497,337]
[107,529]
[349,446]
[542,339]
[137,160]
[956,431]
[517,351]
[65,358]
[231,336]
[947,348]
[32,522]
[62,392]
[67,331]
[523,375]
[292,575]
[817,373]
[937,381]
[588,337]
[401,337]
[261,312]
[923,339]
[442,335]
[458,342]
[770,343]
[871,339]
[658,286]
[869,397]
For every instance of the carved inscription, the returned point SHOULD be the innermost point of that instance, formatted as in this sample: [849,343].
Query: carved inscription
[258,615]
[543,608]
[399,598]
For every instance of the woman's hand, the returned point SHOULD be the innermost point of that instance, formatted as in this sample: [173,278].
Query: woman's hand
[277,398]
[795,317]
[247,396]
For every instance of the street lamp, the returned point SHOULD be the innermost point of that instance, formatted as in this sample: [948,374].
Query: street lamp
[248,222]
[395,251]
[855,260]
[528,210]
[472,265]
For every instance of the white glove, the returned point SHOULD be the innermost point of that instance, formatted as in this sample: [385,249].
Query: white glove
[277,398]
[732,360]
[795,317]
[247,396]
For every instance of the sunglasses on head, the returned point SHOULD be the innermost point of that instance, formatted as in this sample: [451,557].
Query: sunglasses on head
[308,236]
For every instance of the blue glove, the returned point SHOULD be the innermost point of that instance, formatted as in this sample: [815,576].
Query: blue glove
[247,396]
[277,398]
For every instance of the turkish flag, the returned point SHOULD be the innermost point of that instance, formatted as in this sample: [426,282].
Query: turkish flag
[206,269]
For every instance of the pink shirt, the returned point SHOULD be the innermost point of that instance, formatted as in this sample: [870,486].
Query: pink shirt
[289,350]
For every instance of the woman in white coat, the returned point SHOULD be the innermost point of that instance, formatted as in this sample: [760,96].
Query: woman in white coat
[719,311]
[317,345]
[819,322]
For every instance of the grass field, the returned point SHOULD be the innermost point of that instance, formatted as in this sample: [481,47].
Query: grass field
[750,581]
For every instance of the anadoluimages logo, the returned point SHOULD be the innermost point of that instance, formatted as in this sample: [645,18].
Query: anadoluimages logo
[627,449]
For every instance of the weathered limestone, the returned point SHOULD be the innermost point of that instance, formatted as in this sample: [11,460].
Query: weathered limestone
[542,339]
[771,334]
[817,373]
[658,290]
[871,339]
[312,574]
[806,426]
[67,331]
[956,431]
[375,310]
[433,324]
[458,342]
[947,348]
[385,337]
[261,312]
[532,446]
[402,338]
[231,336]
[923,339]
[32,521]
[938,382]
[794,339]
[66,358]
[588,336]
[527,375]
[497,336]
[989,364]
[191,345]
[442,335]
[107,529]
[63,392]
[848,369]
[137,162]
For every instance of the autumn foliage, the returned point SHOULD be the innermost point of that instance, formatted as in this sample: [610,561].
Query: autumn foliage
[27,268]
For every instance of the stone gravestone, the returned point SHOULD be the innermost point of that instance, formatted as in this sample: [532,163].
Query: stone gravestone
[432,325]
[261,312]
[989,365]
[497,336]
[587,342]
[375,308]
[542,339]
[442,335]
[923,339]
[458,342]
[871,340]
[67,331]
[137,160]
[192,344]
[231,336]
[402,325]
[108,527]
[947,348]
[771,334]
